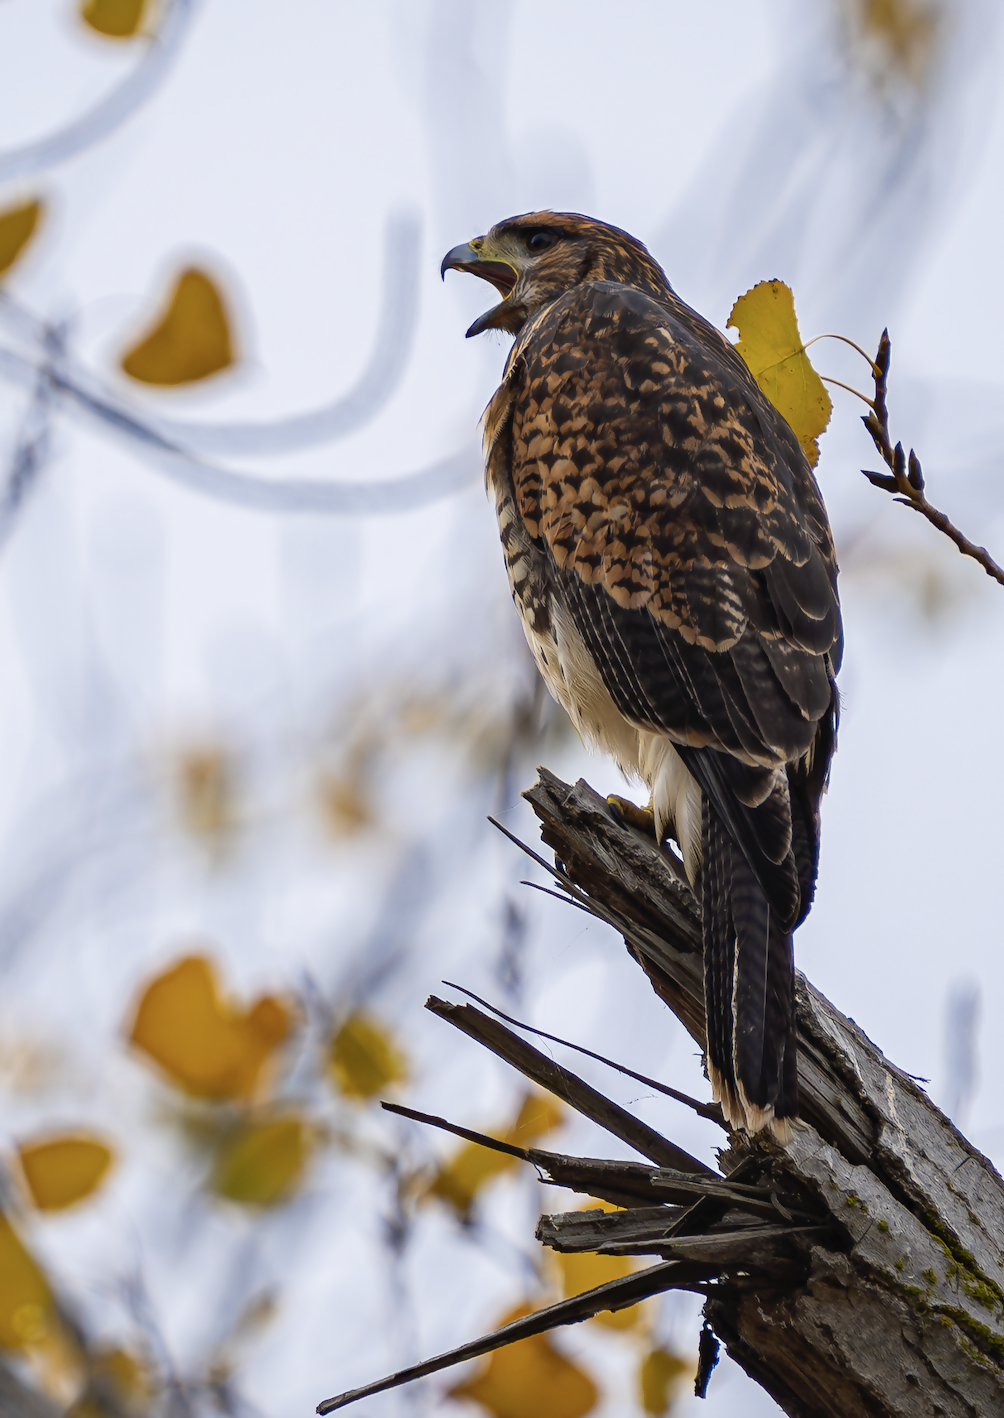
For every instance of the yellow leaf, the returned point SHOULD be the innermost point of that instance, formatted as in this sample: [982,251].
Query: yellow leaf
[581,1270]
[660,1378]
[772,348]
[191,339]
[460,1180]
[17,224]
[530,1379]
[118,19]
[64,1170]
[206,794]
[204,1044]
[538,1114]
[363,1058]
[26,1309]
[261,1163]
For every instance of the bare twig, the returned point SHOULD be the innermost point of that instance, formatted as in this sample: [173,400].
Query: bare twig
[614,1295]
[906,480]
[566,1085]
[711,1111]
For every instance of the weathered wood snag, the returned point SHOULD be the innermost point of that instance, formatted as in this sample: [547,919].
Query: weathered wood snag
[857,1272]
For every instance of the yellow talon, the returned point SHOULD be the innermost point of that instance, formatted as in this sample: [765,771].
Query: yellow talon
[641,817]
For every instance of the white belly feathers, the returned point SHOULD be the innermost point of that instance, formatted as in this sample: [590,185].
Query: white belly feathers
[570,673]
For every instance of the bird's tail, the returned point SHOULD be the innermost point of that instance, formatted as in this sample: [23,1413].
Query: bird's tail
[749,984]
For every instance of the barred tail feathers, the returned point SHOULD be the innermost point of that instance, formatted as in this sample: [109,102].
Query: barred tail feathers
[749,989]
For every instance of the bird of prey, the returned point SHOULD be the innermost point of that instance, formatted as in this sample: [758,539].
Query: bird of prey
[672,563]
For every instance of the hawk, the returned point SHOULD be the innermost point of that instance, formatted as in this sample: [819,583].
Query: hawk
[672,564]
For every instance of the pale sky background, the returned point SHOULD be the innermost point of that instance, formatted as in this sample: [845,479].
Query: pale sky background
[742,140]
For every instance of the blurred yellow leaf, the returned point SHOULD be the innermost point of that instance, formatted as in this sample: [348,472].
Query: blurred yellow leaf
[530,1379]
[661,1376]
[261,1163]
[539,1113]
[118,19]
[345,804]
[460,1180]
[363,1058]
[64,1170]
[206,794]
[895,39]
[582,1270]
[207,1046]
[772,347]
[17,225]
[191,339]
[117,1384]
[26,1309]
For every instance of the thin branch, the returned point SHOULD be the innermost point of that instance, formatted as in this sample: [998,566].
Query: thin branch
[574,896]
[567,1086]
[494,1144]
[111,112]
[440,479]
[614,1295]
[906,480]
[557,895]
[379,379]
[711,1111]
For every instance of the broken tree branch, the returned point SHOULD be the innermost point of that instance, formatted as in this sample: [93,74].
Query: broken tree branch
[711,1111]
[857,1272]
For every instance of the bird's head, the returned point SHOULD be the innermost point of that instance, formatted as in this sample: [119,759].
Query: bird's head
[531,259]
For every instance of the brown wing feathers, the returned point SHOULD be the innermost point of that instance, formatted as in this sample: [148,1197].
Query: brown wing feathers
[707,602]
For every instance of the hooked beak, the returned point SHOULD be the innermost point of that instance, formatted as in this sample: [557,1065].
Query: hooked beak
[473,258]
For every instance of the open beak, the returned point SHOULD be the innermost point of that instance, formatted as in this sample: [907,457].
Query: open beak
[471,257]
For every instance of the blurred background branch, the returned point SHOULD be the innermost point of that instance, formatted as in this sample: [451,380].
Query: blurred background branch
[115,109]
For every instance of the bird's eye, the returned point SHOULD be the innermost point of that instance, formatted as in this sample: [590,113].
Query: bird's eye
[540,241]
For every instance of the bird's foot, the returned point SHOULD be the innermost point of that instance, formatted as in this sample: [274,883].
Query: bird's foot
[641,817]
